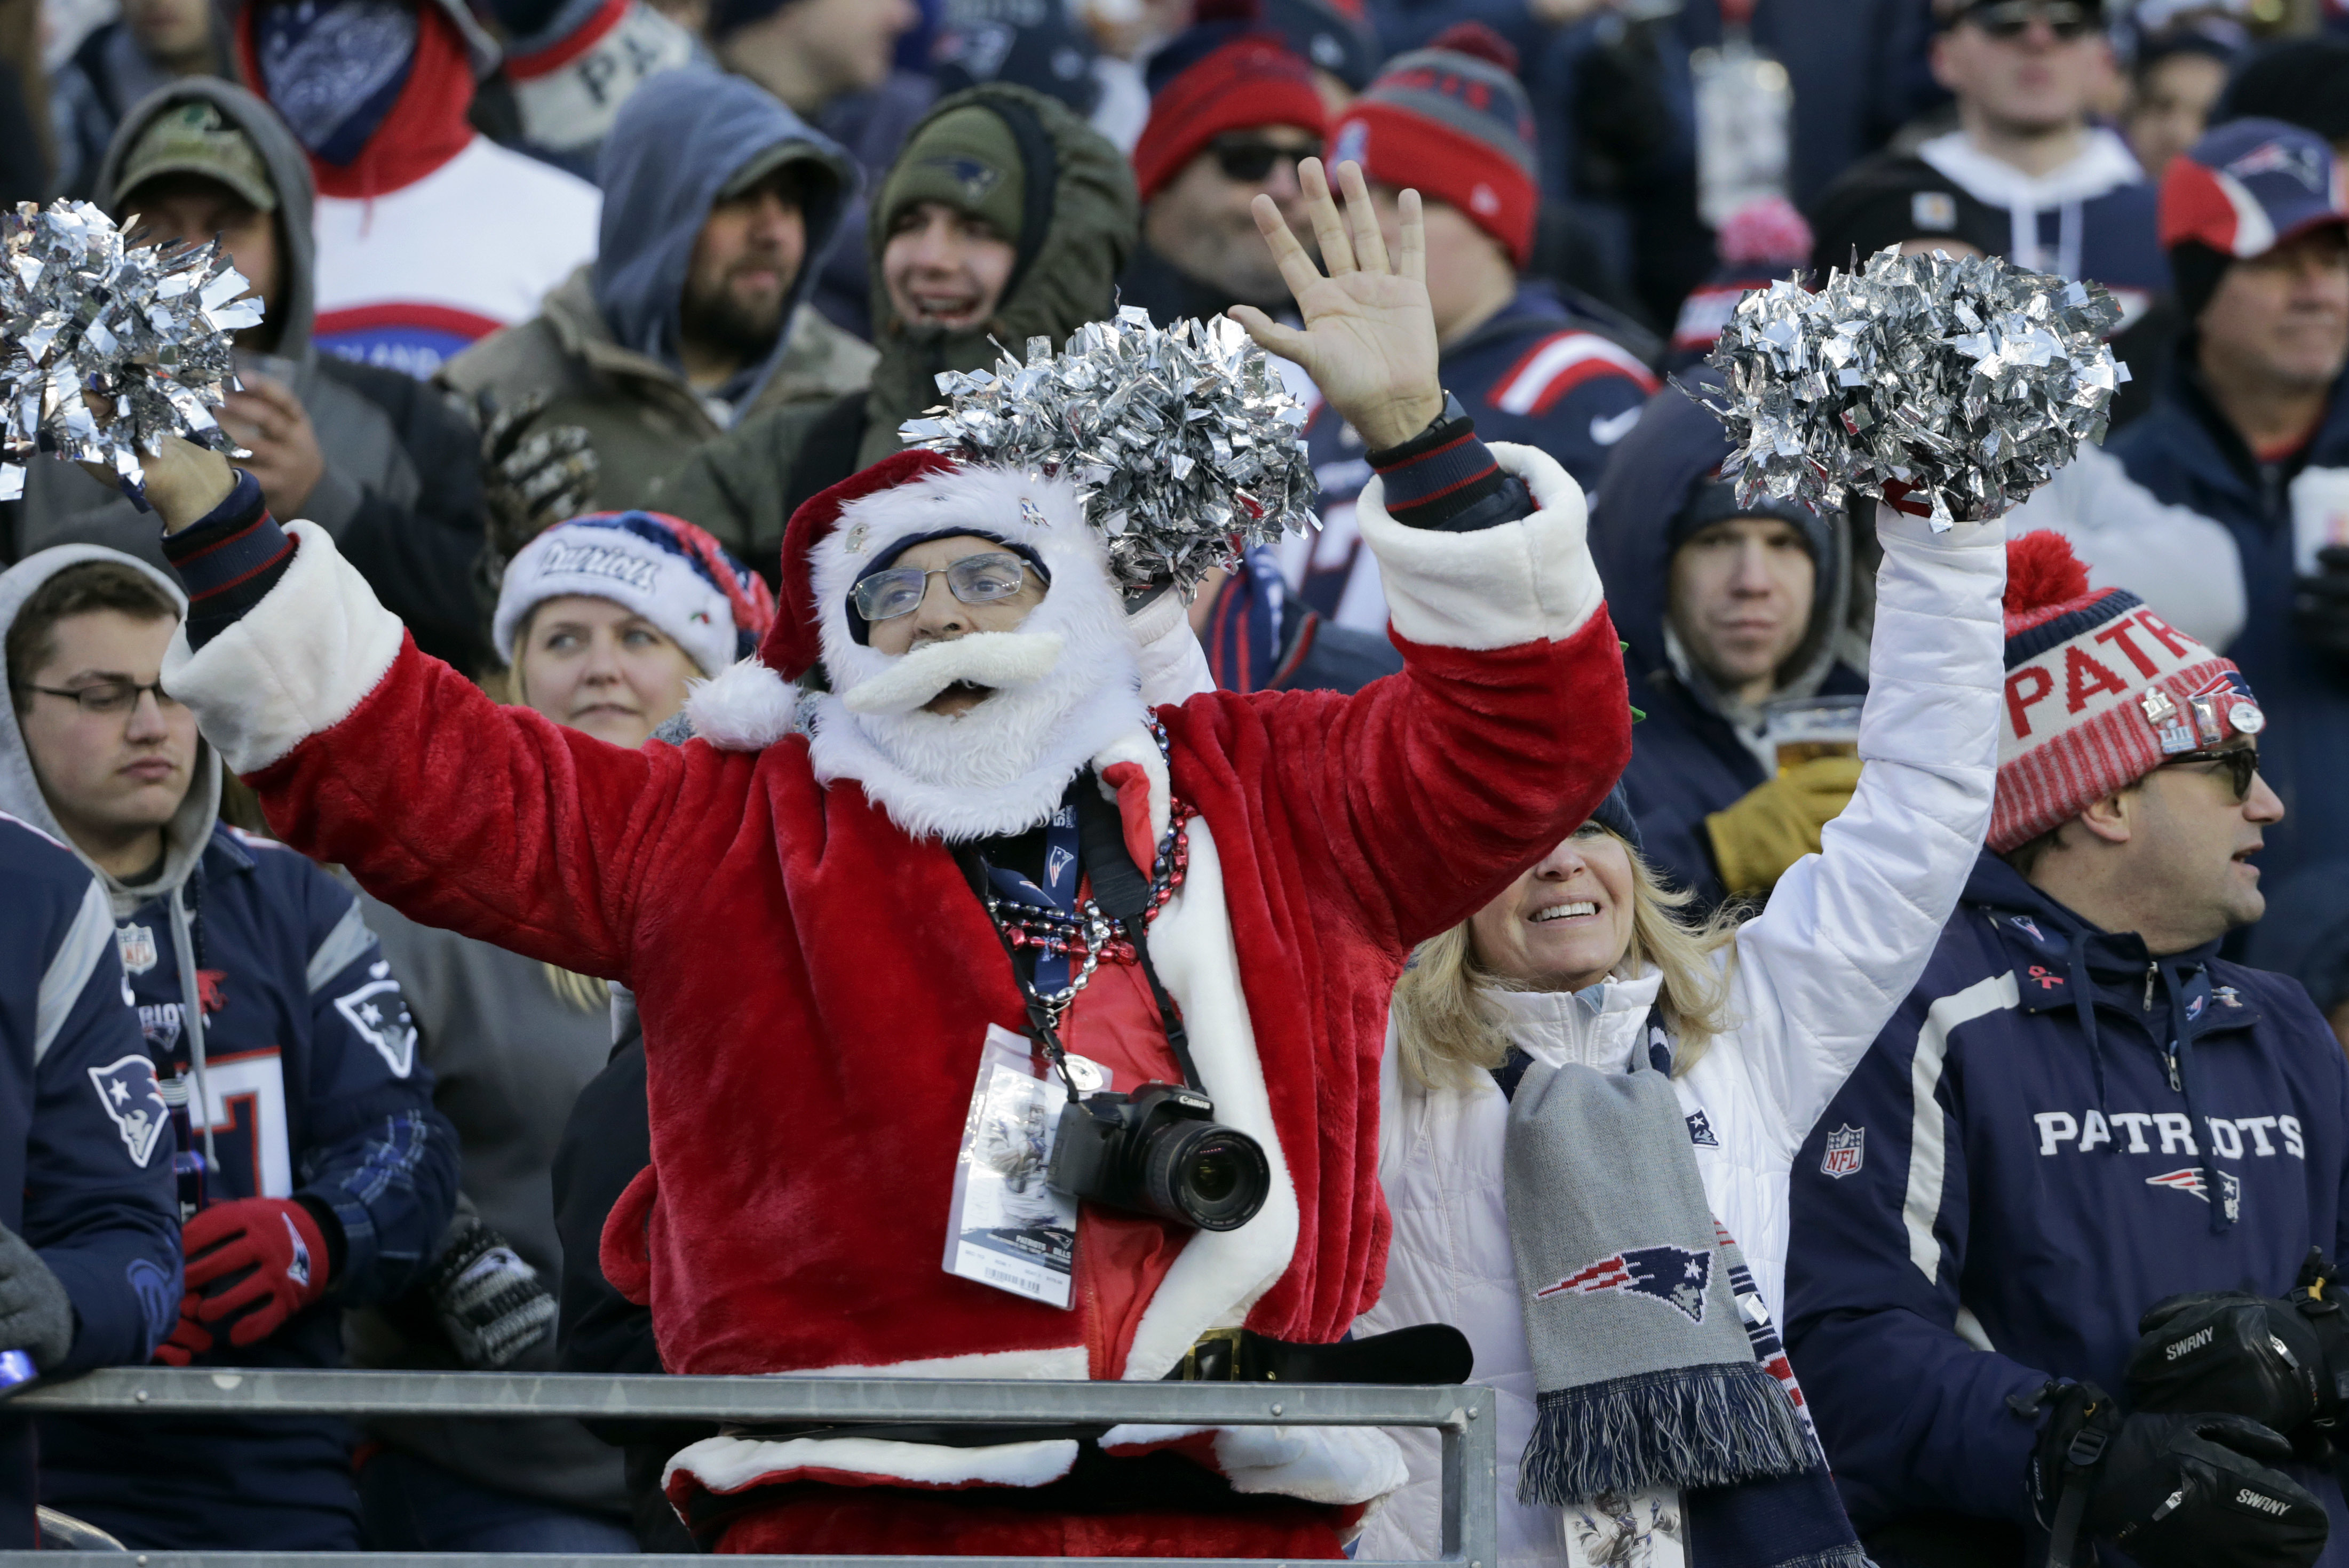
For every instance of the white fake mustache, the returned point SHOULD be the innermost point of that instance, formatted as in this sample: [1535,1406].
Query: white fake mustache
[997,659]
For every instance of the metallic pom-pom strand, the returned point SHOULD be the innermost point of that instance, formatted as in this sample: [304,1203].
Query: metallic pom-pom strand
[1187,444]
[1964,385]
[81,313]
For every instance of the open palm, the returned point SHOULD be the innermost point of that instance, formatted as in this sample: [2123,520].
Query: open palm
[1369,340]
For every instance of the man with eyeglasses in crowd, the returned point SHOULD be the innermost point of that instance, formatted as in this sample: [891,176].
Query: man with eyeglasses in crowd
[2026,74]
[1232,112]
[2080,1112]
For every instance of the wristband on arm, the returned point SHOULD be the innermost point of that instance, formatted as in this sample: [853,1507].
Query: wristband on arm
[1447,480]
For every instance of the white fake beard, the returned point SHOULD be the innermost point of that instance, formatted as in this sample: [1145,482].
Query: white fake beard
[1003,765]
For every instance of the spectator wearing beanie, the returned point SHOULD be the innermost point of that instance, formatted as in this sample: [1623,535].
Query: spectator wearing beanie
[603,620]
[2251,428]
[1763,240]
[1334,38]
[2175,84]
[2080,1110]
[2300,81]
[1451,122]
[1232,111]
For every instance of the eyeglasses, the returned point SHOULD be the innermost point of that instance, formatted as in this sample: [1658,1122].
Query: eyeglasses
[2010,19]
[1250,161]
[973,580]
[109,696]
[2241,763]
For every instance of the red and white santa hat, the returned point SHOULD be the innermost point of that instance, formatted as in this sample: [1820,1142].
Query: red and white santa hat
[2100,691]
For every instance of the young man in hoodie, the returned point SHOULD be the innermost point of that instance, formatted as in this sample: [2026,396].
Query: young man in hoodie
[430,236]
[2026,74]
[718,207]
[312,1171]
[1006,217]
[372,454]
[2081,1111]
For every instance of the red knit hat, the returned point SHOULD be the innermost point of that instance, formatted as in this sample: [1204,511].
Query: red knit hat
[2099,691]
[1229,72]
[1451,122]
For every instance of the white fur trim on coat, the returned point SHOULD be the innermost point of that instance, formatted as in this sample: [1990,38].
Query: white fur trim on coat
[731,1464]
[746,707]
[1497,587]
[296,664]
[1337,1465]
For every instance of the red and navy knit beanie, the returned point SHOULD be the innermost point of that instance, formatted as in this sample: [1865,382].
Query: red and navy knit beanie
[2243,190]
[1228,71]
[2099,691]
[1451,122]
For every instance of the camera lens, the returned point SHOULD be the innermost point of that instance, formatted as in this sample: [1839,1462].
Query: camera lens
[1209,1175]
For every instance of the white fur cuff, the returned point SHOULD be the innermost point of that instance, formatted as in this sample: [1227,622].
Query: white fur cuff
[1517,582]
[297,664]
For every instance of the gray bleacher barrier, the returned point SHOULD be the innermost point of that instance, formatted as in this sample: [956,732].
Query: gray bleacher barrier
[1461,1415]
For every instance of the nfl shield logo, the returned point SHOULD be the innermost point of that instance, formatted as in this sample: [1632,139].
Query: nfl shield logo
[136,946]
[1846,1147]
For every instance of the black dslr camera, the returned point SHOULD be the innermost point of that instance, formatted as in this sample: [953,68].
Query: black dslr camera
[1159,1150]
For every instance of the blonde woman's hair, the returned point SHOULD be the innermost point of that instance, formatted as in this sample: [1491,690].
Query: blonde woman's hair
[584,992]
[1449,1030]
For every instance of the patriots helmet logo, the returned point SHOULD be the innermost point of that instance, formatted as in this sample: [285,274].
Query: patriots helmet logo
[1676,1276]
[297,1267]
[2190,1180]
[133,1102]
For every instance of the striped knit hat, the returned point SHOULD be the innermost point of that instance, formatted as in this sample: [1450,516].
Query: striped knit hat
[1451,122]
[2099,691]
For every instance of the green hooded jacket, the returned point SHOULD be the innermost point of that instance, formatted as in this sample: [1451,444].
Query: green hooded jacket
[1080,223]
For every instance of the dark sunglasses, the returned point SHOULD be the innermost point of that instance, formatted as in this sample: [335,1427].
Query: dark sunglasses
[1250,162]
[2011,20]
[2241,763]
[974,580]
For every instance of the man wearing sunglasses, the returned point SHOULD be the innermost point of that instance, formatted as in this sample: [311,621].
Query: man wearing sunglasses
[2026,74]
[2081,1111]
[1232,112]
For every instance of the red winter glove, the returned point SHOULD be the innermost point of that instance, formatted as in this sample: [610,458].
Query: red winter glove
[188,1338]
[264,1253]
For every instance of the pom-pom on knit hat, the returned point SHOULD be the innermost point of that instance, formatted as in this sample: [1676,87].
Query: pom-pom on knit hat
[662,568]
[1451,122]
[1229,71]
[2099,692]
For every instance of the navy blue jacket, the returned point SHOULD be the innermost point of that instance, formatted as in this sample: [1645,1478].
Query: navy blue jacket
[84,1147]
[1999,1193]
[2185,451]
[1687,759]
[315,1092]
[1537,373]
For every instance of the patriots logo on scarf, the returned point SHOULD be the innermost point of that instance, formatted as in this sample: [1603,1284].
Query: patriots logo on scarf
[2190,1180]
[1676,1276]
[133,1102]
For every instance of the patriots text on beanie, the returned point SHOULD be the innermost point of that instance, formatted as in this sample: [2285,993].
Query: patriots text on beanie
[663,568]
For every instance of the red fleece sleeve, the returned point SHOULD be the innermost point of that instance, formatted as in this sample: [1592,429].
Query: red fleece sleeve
[1416,799]
[489,821]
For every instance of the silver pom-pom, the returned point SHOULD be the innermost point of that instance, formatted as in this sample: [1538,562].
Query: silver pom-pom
[1964,384]
[1187,446]
[82,313]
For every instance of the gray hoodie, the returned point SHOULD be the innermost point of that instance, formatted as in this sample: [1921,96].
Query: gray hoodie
[362,447]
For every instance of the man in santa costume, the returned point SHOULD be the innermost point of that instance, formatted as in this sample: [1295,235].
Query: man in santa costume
[826,923]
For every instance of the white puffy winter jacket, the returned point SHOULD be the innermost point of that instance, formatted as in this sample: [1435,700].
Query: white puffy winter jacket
[1812,978]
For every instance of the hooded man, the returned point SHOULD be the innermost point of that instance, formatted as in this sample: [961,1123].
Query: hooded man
[1005,217]
[368,454]
[826,929]
[312,1171]
[429,235]
[1725,609]
[719,206]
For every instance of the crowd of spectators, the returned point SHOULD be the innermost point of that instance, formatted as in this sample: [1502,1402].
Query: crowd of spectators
[572,305]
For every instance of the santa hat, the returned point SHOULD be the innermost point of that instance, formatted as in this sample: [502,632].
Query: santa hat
[1451,122]
[662,568]
[1229,71]
[2099,692]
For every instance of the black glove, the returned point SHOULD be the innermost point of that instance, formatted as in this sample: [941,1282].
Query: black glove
[490,1303]
[35,1315]
[2173,1491]
[531,479]
[2320,604]
[2233,1353]
[2319,1297]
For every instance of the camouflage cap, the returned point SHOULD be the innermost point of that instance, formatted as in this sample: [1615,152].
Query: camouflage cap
[197,138]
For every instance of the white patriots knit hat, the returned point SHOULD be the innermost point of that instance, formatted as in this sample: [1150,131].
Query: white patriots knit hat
[663,568]
[2099,692]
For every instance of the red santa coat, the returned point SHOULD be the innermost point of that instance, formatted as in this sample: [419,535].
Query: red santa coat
[815,984]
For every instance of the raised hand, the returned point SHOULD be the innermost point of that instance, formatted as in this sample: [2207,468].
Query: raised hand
[1369,341]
